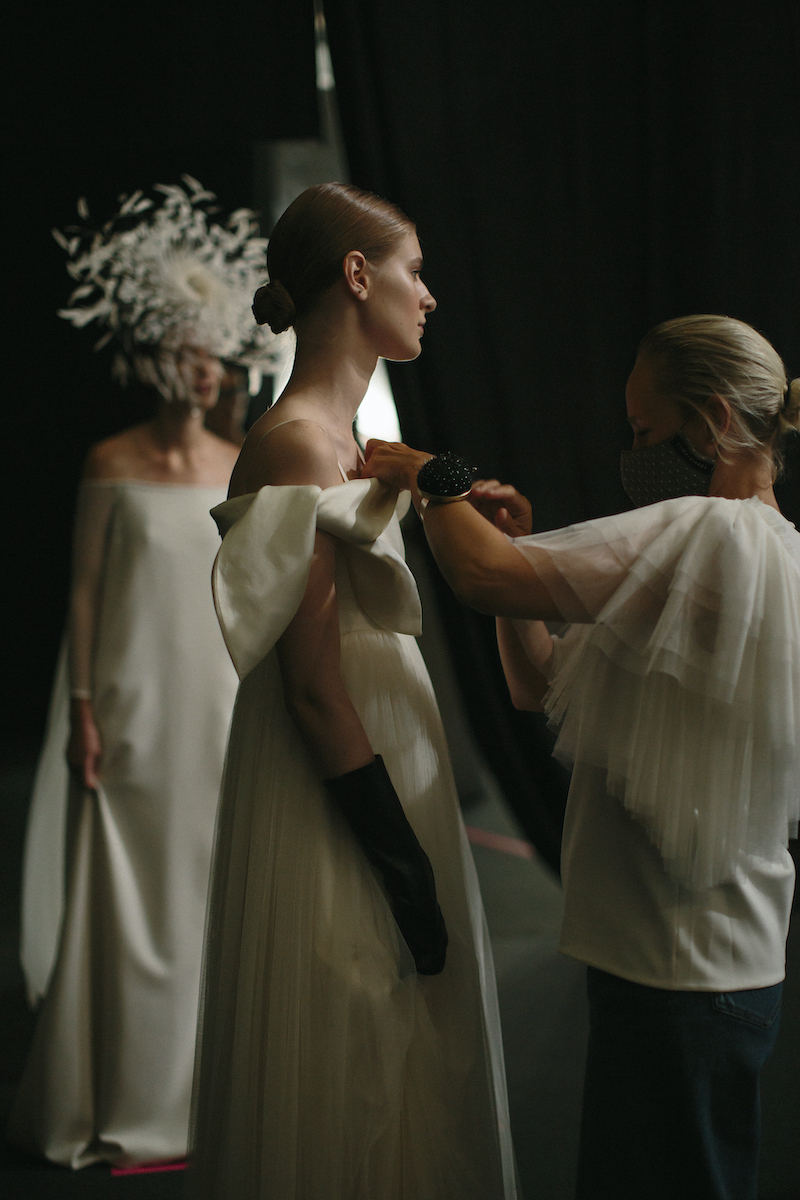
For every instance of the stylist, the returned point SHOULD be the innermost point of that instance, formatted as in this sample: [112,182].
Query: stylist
[676,693]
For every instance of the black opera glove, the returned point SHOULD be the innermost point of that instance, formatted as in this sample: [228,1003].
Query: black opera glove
[370,805]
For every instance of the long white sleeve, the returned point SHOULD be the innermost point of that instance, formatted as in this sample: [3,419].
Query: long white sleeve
[92,524]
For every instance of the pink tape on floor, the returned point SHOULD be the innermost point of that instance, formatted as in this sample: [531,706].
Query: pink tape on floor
[149,1168]
[498,841]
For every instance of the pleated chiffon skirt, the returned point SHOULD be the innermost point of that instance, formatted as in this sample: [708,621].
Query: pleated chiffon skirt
[327,1068]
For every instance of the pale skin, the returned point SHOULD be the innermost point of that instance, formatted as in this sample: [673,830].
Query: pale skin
[488,574]
[172,448]
[374,310]
[229,413]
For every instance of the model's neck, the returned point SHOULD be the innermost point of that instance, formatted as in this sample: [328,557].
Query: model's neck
[333,366]
[178,426]
[741,479]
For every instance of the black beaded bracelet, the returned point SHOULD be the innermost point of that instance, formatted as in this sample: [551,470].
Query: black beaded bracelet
[445,478]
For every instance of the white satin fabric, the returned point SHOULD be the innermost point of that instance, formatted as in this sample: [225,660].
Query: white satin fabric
[109,1073]
[327,1066]
[42,907]
[677,698]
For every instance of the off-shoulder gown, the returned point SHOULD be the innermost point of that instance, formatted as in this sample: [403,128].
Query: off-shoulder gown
[109,1075]
[328,1067]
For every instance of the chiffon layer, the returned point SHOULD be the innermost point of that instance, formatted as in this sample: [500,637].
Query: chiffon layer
[110,1070]
[327,1066]
[680,678]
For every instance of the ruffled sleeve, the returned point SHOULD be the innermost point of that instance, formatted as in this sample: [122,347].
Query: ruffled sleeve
[262,568]
[680,677]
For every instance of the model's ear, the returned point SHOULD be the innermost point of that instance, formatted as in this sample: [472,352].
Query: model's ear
[356,274]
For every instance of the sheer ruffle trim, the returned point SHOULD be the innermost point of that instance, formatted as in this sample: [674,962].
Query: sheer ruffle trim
[263,565]
[685,689]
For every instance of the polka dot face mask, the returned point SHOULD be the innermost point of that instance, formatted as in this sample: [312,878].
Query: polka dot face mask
[670,468]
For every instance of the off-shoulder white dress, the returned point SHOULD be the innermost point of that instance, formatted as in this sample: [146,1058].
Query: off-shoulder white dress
[327,1066]
[117,946]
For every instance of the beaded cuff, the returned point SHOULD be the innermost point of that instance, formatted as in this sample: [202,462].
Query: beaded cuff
[445,478]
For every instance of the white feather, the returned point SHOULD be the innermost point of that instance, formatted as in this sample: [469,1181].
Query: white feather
[173,273]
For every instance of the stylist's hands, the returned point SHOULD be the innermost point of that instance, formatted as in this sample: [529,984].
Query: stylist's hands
[393,463]
[503,506]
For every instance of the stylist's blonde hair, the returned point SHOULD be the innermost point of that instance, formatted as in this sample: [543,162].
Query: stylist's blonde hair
[695,358]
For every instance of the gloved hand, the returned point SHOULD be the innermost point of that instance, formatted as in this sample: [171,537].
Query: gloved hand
[372,809]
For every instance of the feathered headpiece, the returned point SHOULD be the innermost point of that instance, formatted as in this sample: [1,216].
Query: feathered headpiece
[160,272]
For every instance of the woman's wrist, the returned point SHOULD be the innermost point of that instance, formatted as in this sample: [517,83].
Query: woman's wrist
[428,503]
[81,712]
[445,479]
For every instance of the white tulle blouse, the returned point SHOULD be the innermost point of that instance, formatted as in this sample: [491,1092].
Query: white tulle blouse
[676,693]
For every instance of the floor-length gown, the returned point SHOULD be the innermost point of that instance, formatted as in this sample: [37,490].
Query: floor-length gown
[109,1073]
[328,1067]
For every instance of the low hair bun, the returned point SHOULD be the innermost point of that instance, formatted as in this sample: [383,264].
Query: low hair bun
[790,412]
[273,306]
[311,240]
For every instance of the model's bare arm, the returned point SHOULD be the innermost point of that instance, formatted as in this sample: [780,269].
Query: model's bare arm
[92,518]
[309,650]
[315,696]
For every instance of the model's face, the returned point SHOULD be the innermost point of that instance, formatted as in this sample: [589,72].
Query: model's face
[399,302]
[198,376]
[651,417]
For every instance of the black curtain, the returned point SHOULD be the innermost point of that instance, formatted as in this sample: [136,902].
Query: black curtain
[578,172]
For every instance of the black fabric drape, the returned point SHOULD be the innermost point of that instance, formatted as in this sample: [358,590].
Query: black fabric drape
[578,172]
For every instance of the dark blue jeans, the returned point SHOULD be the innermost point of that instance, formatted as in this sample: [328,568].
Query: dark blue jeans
[671,1106]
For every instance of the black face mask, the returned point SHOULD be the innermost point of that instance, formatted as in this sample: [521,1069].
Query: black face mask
[670,468]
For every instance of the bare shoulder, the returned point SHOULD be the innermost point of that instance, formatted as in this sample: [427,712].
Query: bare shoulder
[118,457]
[291,452]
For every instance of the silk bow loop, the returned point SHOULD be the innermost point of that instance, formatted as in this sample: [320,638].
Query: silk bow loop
[262,568]
[358,513]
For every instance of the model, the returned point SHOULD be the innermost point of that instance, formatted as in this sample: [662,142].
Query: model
[350,1042]
[115,949]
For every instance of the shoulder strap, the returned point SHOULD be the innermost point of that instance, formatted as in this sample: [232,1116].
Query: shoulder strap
[292,421]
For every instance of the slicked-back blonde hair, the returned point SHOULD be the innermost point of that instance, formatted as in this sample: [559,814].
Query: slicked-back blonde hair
[695,358]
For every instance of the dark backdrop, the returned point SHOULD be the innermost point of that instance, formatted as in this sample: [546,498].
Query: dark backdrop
[578,172]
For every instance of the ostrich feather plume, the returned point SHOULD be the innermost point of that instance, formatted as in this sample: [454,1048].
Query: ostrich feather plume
[161,272]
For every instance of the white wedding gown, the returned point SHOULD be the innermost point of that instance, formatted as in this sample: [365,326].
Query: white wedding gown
[328,1067]
[109,1073]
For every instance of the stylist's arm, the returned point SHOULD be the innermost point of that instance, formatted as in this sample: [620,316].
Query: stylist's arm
[475,557]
